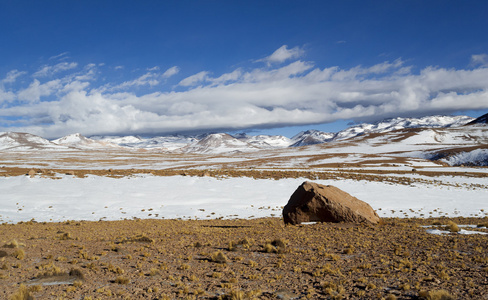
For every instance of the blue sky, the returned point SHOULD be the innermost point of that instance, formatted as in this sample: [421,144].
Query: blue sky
[158,67]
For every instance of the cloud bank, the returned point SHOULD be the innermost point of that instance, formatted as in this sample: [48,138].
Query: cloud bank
[280,90]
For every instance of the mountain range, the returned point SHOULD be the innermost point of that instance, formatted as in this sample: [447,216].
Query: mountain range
[222,142]
[456,131]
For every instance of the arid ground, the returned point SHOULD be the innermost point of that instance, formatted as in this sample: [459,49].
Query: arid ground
[243,259]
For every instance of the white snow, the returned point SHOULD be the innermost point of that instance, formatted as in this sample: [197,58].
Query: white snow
[146,196]
[461,231]
[401,123]
[478,157]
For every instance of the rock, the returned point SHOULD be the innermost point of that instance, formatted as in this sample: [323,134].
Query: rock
[32,173]
[285,295]
[313,202]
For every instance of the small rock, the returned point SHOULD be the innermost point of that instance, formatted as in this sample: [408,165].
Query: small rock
[285,295]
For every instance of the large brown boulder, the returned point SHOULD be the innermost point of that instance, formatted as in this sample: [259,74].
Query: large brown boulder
[313,202]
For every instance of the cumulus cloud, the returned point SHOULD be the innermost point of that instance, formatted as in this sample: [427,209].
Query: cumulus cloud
[36,90]
[296,93]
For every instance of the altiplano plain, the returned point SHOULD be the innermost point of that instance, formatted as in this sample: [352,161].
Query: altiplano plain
[131,223]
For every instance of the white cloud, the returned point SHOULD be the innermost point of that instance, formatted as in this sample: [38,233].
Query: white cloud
[59,56]
[6,96]
[479,60]
[297,93]
[150,79]
[232,76]
[194,79]
[283,54]
[36,90]
[51,70]
[12,76]
[170,72]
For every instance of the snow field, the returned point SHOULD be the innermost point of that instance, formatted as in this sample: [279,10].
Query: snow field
[146,196]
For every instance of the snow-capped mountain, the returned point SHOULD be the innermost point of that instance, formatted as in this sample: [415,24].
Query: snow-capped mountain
[119,140]
[452,145]
[218,143]
[77,140]
[311,137]
[265,141]
[402,123]
[168,143]
[225,143]
[24,141]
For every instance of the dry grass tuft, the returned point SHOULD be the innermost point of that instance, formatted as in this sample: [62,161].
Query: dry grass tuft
[143,239]
[219,257]
[12,244]
[453,227]
[436,295]
[233,295]
[75,272]
[122,280]
[22,293]
[50,270]
[19,254]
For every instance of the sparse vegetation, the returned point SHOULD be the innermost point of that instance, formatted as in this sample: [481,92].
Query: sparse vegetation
[333,261]
[23,293]
[436,295]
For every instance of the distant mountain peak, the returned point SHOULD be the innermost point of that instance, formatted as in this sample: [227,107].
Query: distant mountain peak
[77,140]
[480,120]
[218,143]
[311,137]
[21,141]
